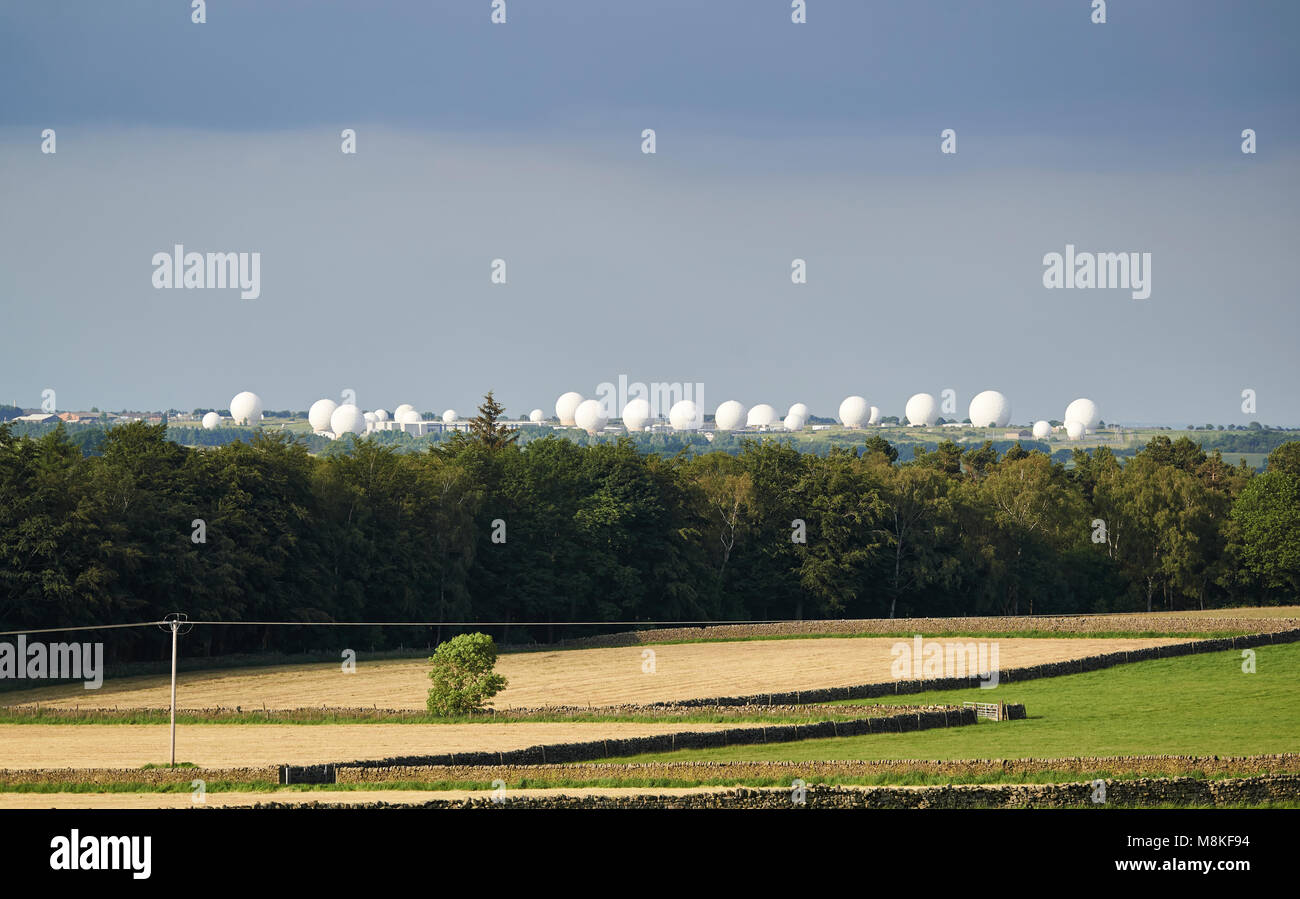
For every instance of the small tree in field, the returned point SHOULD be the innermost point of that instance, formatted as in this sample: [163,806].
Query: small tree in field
[462,675]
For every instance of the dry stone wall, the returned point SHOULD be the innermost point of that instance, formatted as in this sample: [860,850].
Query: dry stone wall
[153,777]
[758,772]
[1179,791]
[596,749]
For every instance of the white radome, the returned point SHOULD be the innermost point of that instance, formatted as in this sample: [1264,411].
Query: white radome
[990,409]
[319,414]
[684,415]
[800,409]
[1085,412]
[922,410]
[590,416]
[246,409]
[1042,428]
[761,416]
[347,419]
[875,416]
[1074,429]
[407,416]
[450,415]
[405,407]
[536,415]
[381,415]
[212,420]
[730,416]
[794,422]
[854,412]
[636,414]
[370,418]
[566,405]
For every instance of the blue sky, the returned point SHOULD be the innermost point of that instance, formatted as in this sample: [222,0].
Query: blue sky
[775,141]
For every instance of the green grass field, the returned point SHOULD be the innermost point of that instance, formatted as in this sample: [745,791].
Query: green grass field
[1192,705]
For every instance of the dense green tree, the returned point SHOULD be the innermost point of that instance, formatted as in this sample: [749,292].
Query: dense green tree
[1267,520]
[462,675]
[945,458]
[487,428]
[914,523]
[842,505]
[1036,512]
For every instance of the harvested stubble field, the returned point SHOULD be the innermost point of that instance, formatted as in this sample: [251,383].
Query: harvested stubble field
[238,745]
[573,677]
[1292,612]
[1220,622]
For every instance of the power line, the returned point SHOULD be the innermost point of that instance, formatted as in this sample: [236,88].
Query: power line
[703,623]
[484,623]
[89,627]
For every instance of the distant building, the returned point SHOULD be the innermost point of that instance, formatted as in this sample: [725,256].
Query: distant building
[39,418]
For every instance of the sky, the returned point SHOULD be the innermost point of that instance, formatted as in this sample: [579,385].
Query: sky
[774,142]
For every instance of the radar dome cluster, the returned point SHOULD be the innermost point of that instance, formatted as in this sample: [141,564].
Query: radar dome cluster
[988,409]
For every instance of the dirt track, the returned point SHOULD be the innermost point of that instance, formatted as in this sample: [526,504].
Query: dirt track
[569,677]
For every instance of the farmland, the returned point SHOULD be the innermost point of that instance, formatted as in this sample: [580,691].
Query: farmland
[577,677]
[1193,705]
[1200,705]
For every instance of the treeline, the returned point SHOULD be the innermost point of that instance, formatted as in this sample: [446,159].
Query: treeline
[89,439]
[482,529]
